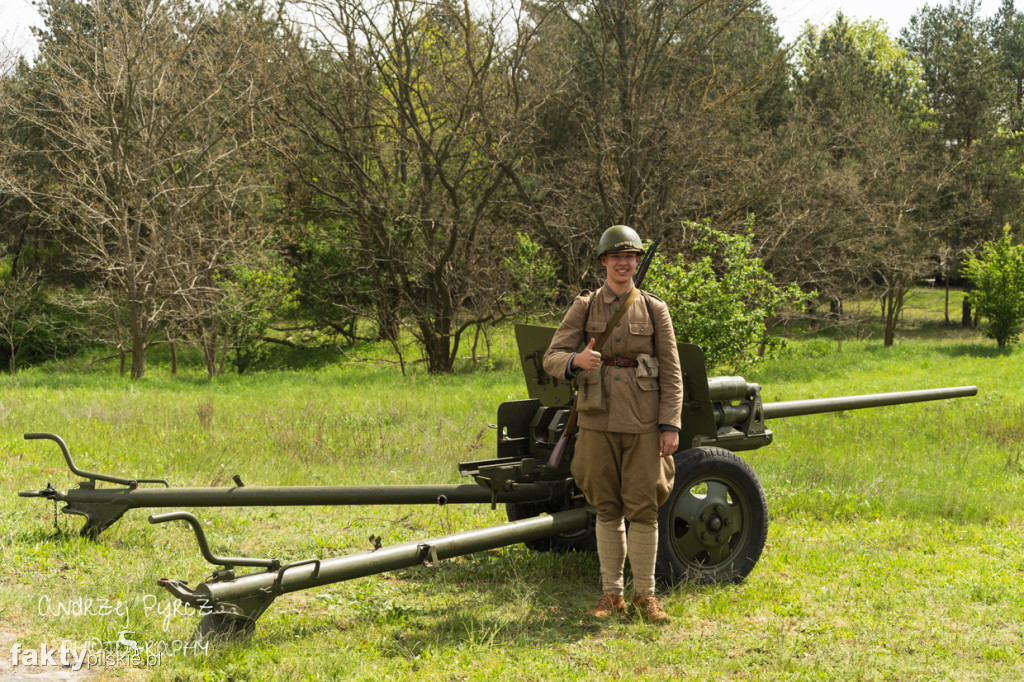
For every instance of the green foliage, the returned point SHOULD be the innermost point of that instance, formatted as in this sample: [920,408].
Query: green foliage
[253,299]
[331,275]
[534,280]
[998,274]
[35,324]
[723,299]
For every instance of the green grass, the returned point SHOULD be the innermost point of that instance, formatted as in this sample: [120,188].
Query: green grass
[895,550]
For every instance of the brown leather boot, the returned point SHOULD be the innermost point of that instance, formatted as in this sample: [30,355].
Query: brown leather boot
[608,605]
[649,609]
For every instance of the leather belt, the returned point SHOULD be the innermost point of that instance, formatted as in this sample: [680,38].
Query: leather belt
[621,362]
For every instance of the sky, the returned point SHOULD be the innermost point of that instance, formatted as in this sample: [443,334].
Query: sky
[790,15]
[16,16]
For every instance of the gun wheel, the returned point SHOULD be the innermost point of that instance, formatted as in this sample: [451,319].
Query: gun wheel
[714,524]
[576,541]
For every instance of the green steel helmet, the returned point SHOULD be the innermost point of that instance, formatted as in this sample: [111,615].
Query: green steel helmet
[619,238]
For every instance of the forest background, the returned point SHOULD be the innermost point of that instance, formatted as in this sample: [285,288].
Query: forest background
[316,173]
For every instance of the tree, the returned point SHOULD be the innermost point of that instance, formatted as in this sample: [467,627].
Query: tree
[253,299]
[962,79]
[142,109]
[23,313]
[400,107]
[854,171]
[1007,40]
[998,277]
[643,113]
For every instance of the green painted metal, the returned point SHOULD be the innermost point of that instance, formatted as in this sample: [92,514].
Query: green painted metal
[797,408]
[102,507]
[232,604]
[715,521]
[718,412]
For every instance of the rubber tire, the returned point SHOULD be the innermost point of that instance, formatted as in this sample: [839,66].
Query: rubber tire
[724,545]
[578,541]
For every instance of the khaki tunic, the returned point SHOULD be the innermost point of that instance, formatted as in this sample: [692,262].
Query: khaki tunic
[623,475]
[634,404]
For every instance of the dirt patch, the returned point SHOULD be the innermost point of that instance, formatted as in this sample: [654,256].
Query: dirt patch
[43,672]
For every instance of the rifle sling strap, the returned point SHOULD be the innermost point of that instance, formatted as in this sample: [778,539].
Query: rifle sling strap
[630,298]
[570,425]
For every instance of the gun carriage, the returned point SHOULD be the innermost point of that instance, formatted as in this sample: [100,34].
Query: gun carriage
[712,527]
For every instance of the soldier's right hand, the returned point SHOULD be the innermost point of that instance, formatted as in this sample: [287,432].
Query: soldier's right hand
[587,358]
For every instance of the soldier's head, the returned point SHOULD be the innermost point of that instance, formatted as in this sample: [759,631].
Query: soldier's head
[620,250]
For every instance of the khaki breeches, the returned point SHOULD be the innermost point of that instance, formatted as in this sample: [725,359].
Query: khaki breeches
[622,474]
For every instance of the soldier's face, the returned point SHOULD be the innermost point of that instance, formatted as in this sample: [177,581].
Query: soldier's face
[620,266]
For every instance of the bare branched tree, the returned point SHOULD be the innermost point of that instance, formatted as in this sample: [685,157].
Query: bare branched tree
[142,110]
[644,112]
[400,108]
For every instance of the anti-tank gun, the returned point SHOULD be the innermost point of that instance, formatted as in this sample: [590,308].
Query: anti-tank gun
[713,526]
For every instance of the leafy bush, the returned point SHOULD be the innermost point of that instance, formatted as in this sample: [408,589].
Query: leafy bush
[332,277]
[534,281]
[723,299]
[998,274]
[36,323]
[253,298]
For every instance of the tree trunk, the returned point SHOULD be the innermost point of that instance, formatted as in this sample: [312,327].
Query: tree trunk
[138,342]
[965,319]
[835,308]
[947,300]
[437,340]
[439,360]
[388,324]
[889,319]
[209,343]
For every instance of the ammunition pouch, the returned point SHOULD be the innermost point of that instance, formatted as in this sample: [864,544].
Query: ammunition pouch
[590,391]
[646,366]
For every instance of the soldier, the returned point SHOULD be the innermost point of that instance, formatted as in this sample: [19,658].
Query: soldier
[631,396]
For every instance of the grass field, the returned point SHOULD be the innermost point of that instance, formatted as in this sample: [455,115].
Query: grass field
[895,550]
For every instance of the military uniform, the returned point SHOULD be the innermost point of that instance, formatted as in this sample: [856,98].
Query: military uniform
[631,483]
[617,463]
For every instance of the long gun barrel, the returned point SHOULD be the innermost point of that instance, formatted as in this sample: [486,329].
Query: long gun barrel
[714,537]
[722,411]
[730,412]
[102,507]
[798,408]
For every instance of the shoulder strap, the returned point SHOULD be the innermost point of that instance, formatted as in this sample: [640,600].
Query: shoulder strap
[630,298]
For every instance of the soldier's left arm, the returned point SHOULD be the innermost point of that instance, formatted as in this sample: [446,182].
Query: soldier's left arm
[670,376]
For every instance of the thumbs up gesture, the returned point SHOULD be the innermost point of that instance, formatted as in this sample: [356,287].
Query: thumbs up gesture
[588,358]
